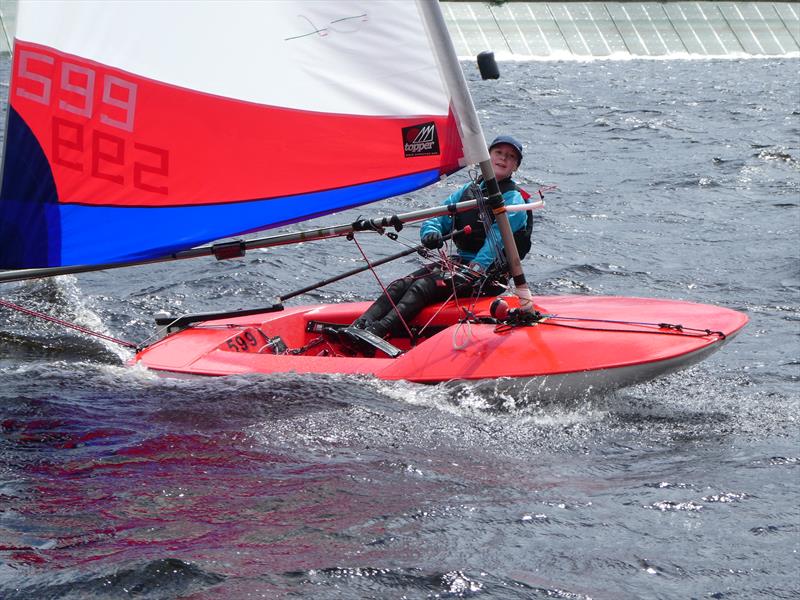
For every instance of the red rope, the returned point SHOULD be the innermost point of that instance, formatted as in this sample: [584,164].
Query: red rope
[63,323]
[380,283]
[446,264]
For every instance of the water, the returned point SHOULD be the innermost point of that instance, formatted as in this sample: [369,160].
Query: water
[677,179]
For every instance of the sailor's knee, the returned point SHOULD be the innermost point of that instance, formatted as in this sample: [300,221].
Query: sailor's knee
[398,286]
[424,288]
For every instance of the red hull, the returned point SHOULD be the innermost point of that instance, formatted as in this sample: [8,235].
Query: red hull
[564,355]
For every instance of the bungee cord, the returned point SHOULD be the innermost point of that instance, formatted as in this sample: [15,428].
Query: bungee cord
[516,319]
[660,328]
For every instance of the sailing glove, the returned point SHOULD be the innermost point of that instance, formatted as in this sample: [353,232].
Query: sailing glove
[432,240]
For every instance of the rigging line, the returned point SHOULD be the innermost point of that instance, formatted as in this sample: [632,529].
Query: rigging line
[675,326]
[451,266]
[385,291]
[467,336]
[157,333]
[488,221]
[447,264]
[465,322]
[438,310]
[67,324]
[500,29]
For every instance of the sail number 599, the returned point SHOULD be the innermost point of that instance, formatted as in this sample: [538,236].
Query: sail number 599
[103,155]
[79,81]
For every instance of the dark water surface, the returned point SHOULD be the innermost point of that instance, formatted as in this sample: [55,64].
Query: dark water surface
[677,179]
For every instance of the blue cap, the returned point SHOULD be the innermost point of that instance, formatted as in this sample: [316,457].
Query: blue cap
[510,140]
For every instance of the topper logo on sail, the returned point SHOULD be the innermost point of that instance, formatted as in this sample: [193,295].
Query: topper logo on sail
[420,140]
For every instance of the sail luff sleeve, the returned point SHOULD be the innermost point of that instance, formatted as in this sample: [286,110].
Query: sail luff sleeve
[467,118]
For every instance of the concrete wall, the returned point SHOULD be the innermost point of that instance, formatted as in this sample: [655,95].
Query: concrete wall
[568,30]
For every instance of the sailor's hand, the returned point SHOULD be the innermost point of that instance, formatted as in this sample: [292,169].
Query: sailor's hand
[432,240]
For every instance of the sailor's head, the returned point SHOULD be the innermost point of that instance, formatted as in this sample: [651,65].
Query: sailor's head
[505,153]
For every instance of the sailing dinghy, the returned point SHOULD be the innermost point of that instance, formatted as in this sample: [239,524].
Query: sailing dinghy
[144,132]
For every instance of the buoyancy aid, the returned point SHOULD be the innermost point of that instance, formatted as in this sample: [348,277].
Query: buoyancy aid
[477,237]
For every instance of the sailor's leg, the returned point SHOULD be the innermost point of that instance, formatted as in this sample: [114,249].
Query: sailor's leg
[385,304]
[424,291]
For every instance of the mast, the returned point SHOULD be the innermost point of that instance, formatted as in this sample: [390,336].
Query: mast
[475,150]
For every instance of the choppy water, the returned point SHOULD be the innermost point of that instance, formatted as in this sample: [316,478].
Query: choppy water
[676,179]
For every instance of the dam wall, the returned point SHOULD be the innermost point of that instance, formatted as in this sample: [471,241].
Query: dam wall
[576,30]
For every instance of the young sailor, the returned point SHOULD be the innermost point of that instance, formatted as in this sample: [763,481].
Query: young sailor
[478,254]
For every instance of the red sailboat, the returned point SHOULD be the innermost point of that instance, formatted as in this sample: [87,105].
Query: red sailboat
[152,147]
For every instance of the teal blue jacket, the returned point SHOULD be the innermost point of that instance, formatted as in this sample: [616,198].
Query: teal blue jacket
[487,254]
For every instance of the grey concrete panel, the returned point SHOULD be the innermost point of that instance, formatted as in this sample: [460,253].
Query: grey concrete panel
[561,30]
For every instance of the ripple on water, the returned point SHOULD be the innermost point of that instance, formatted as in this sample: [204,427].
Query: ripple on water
[416,582]
[158,578]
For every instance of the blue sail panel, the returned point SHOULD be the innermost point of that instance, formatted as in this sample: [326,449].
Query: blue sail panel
[121,234]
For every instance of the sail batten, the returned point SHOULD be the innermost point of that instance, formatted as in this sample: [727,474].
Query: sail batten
[123,151]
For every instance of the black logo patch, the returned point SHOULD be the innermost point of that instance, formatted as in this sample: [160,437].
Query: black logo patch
[420,140]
